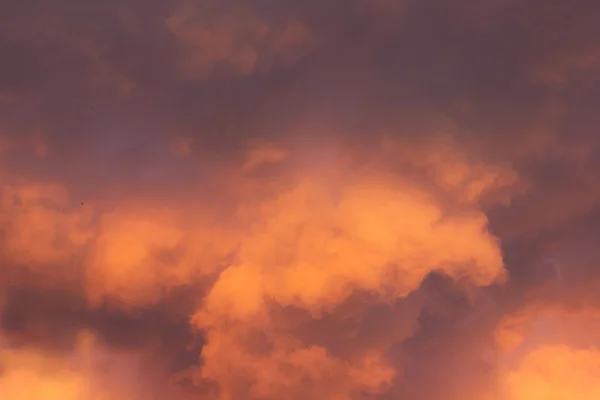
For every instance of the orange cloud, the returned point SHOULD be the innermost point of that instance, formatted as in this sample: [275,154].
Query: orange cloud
[90,373]
[550,352]
[130,259]
[556,373]
[141,252]
[281,246]
[318,238]
[541,323]
[311,250]
[42,225]
[255,361]
[306,236]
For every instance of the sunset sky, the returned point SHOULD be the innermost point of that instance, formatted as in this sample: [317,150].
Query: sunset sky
[300,200]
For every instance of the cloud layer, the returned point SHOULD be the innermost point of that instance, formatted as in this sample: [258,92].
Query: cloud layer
[319,199]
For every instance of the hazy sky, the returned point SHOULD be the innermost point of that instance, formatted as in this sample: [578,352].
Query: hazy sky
[299,200]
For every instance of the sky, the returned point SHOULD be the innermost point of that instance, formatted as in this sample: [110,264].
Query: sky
[299,200]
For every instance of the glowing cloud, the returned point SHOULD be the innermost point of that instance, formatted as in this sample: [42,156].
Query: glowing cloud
[556,373]
[309,245]
[91,373]
[550,352]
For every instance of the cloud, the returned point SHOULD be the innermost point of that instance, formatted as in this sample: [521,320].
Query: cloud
[89,373]
[556,373]
[314,242]
[237,39]
[550,351]
[40,223]
[305,241]
[317,199]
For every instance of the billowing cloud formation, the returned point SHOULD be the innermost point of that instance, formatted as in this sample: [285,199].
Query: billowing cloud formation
[295,200]
[309,248]
[309,242]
